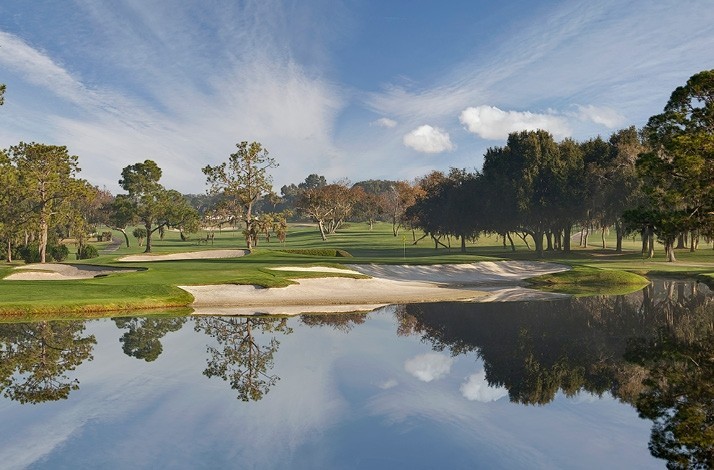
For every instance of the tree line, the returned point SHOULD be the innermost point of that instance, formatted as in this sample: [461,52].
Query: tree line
[657,181]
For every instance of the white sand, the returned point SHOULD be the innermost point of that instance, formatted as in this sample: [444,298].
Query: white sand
[388,285]
[53,271]
[206,254]
[315,269]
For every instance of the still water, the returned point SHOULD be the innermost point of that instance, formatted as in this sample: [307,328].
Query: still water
[596,382]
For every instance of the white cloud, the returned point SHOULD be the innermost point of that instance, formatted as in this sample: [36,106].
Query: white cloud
[428,139]
[384,122]
[476,388]
[429,366]
[602,115]
[490,122]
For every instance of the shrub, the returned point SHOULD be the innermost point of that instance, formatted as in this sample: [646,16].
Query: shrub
[325,252]
[87,252]
[104,237]
[30,253]
[140,234]
[58,252]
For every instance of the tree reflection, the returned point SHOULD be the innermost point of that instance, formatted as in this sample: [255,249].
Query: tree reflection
[35,357]
[239,358]
[143,338]
[653,349]
[339,321]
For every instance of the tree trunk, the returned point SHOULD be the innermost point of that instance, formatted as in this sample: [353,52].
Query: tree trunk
[9,251]
[650,242]
[584,237]
[680,241]
[538,241]
[669,250]
[43,239]
[147,226]
[126,237]
[513,246]
[321,226]
[463,244]
[604,244]
[693,241]
[566,239]
[618,236]
[549,240]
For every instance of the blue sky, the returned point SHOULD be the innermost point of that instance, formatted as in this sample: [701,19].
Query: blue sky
[355,89]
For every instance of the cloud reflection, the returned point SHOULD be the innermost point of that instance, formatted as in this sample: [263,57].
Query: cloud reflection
[476,388]
[430,366]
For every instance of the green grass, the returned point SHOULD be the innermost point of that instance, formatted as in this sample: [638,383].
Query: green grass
[155,286]
[587,279]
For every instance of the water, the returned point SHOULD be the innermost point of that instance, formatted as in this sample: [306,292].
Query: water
[554,384]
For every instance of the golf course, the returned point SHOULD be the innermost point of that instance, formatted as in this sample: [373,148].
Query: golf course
[113,283]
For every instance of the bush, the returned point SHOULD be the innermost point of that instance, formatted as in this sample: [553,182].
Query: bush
[325,252]
[104,237]
[58,252]
[30,253]
[87,252]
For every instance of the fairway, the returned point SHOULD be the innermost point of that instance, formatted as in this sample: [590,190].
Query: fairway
[154,285]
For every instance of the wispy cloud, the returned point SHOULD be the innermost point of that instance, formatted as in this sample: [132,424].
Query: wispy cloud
[603,115]
[384,122]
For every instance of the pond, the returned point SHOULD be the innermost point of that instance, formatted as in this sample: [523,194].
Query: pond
[592,382]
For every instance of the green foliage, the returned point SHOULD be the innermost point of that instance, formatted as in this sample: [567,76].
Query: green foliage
[30,253]
[58,253]
[87,252]
[677,172]
[242,181]
[324,252]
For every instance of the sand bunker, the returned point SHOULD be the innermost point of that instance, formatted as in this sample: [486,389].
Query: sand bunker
[388,285]
[483,273]
[206,254]
[61,272]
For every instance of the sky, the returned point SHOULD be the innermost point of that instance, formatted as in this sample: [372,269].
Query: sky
[367,89]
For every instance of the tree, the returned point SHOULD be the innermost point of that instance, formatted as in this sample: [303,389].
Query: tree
[153,205]
[243,179]
[525,173]
[328,205]
[678,171]
[47,181]
[14,211]
[2,94]
[119,214]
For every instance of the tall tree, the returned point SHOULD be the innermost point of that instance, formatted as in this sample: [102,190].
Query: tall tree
[153,205]
[13,208]
[678,171]
[2,94]
[243,179]
[47,181]
[525,172]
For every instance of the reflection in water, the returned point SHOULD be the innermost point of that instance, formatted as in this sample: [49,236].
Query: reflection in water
[653,349]
[240,359]
[339,321]
[34,359]
[143,338]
